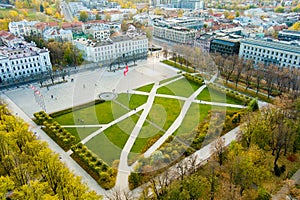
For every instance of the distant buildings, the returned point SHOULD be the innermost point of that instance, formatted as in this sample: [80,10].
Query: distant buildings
[19,59]
[60,35]
[268,51]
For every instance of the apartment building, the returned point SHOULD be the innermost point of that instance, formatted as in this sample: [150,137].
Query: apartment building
[289,35]
[284,54]
[19,59]
[175,34]
[21,28]
[119,47]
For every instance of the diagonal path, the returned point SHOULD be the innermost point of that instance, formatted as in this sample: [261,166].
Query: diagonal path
[175,124]
[138,109]
[219,104]
[124,169]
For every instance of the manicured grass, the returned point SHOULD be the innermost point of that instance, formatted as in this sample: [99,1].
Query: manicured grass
[164,111]
[146,88]
[81,133]
[135,100]
[182,87]
[209,94]
[168,79]
[109,144]
[195,114]
[102,113]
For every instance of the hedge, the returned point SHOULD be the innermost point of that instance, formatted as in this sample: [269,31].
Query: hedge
[196,79]
[60,135]
[231,93]
[96,167]
[41,117]
[69,110]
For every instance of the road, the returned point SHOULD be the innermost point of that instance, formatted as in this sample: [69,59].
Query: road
[65,10]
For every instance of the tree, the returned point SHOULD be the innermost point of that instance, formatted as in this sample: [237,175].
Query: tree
[279,9]
[237,14]
[218,150]
[295,26]
[41,8]
[83,16]
[107,17]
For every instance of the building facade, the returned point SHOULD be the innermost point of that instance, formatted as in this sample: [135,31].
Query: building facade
[111,51]
[21,28]
[225,46]
[179,35]
[271,52]
[21,59]
[289,35]
[99,32]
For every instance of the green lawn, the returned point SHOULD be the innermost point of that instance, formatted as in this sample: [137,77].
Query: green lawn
[81,133]
[195,114]
[109,144]
[101,113]
[169,79]
[216,96]
[182,87]
[164,111]
[135,100]
[145,88]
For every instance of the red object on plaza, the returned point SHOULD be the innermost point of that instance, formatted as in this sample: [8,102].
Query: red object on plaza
[126,70]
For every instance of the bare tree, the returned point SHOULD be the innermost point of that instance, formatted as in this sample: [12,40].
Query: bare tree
[218,150]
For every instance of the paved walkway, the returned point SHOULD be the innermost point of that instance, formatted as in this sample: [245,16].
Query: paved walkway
[175,124]
[124,169]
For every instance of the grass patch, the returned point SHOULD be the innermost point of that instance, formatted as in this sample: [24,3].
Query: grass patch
[182,87]
[102,113]
[109,144]
[168,79]
[216,96]
[81,133]
[164,111]
[135,100]
[145,88]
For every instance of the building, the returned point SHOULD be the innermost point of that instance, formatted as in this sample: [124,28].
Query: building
[203,41]
[21,28]
[284,54]
[122,48]
[59,35]
[19,59]
[175,34]
[289,35]
[99,32]
[225,46]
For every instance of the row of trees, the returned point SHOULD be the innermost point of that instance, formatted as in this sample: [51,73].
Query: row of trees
[29,169]
[266,77]
[61,53]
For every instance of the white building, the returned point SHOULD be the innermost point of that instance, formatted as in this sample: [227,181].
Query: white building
[118,47]
[21,59]
[99,32]
[284,54]
[21,28]
[59,35]
[175,34]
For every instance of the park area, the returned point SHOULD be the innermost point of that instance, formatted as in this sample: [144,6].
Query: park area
[100,130]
